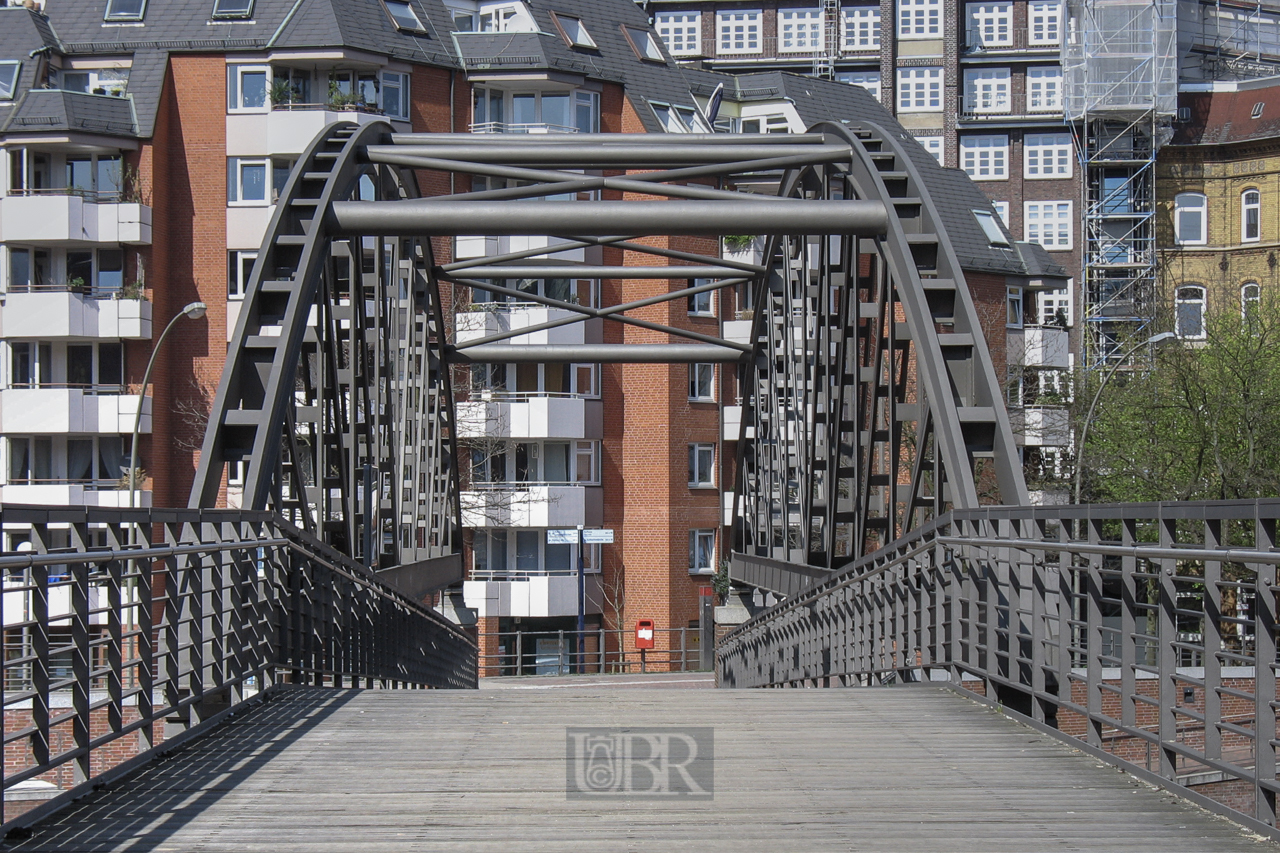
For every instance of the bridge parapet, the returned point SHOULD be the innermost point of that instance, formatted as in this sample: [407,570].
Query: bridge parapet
[108,635]
[1145,633]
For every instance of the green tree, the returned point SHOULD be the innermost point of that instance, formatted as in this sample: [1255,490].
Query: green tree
[1204,424]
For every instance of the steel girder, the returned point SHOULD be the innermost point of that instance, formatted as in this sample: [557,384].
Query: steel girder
[871,403]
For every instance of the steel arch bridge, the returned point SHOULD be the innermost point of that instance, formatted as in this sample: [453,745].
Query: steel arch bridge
[870,402]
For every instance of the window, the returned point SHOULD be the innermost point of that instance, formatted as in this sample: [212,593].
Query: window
[9,79]
[30,364]
[1055,307]
[1044,23]
[1250,215]
[861,29]
[247,88]
[246,181]
[738,31]
[702,381]
[575,32]
[1257,109]
[869,80]
[932,144]
[395,95]
[1189,225]
[1250,298]
[702,303]
[125,10]
[799,30]
[985,158]
[990,25]
[644,44]
[702,552]
[682,31]
[403,15]
[920,19]
[1048,223]
[776,123]
[676,119]
[1013,307]
[702,465]
[232,8]
[1189,313]
[920,89]
[239,268]
[1044,89]
[986,90]
[1002,210]
[1047,155]
[991,228]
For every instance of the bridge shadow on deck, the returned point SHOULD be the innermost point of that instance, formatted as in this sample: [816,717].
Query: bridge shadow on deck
[142,811]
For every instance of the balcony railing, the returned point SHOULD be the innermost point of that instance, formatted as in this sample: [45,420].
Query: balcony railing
[529,127]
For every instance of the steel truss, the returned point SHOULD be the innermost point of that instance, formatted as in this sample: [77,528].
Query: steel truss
[871,403]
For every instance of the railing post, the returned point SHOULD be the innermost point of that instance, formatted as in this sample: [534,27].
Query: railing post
[1264,670]
[1093,638]
[1168,651]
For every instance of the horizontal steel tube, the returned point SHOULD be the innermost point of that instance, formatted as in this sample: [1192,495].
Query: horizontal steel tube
[580,139]
[598,354]
[433,217]
[593,155]
[585,271]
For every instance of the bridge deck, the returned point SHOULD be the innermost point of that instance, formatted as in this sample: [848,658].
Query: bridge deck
[894,769]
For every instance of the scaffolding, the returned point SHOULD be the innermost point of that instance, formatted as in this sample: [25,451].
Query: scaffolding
[1120,77]
[824,62]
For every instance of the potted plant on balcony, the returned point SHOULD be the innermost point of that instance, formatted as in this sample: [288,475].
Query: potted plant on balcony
[340,100]
[133,290]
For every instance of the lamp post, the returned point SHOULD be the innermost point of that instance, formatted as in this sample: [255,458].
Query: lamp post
[195,311]
[1088,418]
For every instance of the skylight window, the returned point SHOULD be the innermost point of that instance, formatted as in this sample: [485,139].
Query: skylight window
[991,227]
[9,79]
[1257,109]
[232,8]
[644,44]
[125,10]
[402,14]
[575,32]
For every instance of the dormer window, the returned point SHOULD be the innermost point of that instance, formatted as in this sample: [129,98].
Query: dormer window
[403,15]
[232,8]
[9,79]
[505,18]
[575,32]
[644,44]
[125,10]
[1257,109]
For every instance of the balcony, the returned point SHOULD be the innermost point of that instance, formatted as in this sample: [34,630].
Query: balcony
[534,417]
[501,317]
[59,410]
[1039,346]
[538,595]
[738,331]
[64,312]
[510,127]
[290,128]
[1041,426]
[100,493]
[525,505]
[55,217]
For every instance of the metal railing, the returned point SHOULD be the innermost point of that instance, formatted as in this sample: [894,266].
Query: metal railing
[161,641]
[1144,633]
[605,651]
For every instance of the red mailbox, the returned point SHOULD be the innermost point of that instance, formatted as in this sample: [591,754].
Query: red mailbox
[644,634]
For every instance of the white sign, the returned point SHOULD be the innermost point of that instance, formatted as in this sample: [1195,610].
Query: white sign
[562,537]
[598,537]
[644,634]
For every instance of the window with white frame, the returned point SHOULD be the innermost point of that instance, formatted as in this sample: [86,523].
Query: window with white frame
[1047,155]
[1189,312]
[702,458]
[919,19]
[869,80]
[990,228]
[702,381]
[395,95]
[932,144]
[247,87]
[1250,215]
[799,30]
[239,269]
[232,8]
[9,78]
[985,158]
[1044,24]
[1013,307]
[505,18]
[920,90]
[675,119]
[1044,89]
[987,90]
[702,552]
[645,45]
[247,180]
[738,31]
[1250,299]
[1190,225]
[682,31]
[860,28]
[1055,307]
[1048,223]
[702,303]
[403,15]
[1002,210]
[990,25]
[125,10]
[775,123]
[535,463]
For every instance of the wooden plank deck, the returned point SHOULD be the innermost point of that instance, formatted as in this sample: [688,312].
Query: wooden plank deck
[892,769]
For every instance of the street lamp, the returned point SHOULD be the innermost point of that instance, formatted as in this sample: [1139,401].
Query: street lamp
[195,311]
[1088,418]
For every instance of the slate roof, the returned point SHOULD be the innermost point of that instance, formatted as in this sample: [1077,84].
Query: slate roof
[1222,118]
[44,110]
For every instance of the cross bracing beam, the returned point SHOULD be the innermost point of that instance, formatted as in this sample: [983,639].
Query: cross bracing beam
[600,353]
[590,271]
